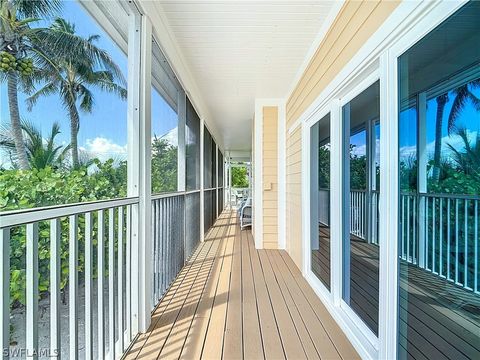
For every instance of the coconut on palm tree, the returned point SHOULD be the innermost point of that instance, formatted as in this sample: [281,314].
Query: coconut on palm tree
[77,71]
[20,48]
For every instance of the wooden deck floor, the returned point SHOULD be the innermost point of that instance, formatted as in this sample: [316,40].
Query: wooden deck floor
[234,302]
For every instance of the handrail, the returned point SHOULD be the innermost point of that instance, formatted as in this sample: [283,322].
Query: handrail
[167,195]
[25,216]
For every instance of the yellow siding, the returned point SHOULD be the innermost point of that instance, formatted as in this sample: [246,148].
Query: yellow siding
[270,179]
[355,24]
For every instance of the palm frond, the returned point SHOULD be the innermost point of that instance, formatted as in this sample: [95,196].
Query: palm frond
[461,95]
[48,89]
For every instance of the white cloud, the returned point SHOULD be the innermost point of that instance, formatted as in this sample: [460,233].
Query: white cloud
[454,140]
[105,149]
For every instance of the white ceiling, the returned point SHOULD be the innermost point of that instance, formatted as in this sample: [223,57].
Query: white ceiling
[237,51]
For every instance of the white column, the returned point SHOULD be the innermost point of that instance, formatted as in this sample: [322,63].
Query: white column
[133,156]
[140,175]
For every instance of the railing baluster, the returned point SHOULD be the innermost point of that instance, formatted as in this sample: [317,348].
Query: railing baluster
[408,228]
[128,275]
[55,273]
[475,262]
[120,278]
[32,291]
[449,252]
[465,242]
[434,238]
[111,282]
[100,286]
[88,287]
[426,233]
[73,286]
[404,225]
[5,292]
[440,246]
[414,251]
[456,241]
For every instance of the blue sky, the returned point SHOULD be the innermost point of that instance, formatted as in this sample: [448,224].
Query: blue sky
[105,129]
[469,119]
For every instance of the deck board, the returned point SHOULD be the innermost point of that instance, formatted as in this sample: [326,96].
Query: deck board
[232,301]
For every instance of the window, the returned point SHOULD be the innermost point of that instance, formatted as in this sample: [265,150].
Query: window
[439,148]
[192,151]
[360,220]
[320,199]
[84,156]
[164,124]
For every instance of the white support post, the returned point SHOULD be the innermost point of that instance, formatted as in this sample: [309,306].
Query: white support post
[202,183]
[133,161]
[422,174]
[181,155]
[145,207]
[282,176]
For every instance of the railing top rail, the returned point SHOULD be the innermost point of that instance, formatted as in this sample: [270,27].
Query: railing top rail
[167,195]
[25,216]
[445,196]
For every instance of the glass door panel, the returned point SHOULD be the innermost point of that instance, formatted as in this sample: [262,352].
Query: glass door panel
[439,183]
[360,204]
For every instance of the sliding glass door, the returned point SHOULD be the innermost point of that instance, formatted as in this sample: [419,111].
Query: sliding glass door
[361,124]
[439,204]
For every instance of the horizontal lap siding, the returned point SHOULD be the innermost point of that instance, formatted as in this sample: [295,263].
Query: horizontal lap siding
[355,24]
[270,177]
[294,196]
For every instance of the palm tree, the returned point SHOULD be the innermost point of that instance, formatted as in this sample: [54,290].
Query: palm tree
[441,102]
[20,42]
[82,67]
[462,95]
[40,152]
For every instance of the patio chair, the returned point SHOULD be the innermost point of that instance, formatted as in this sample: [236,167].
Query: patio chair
[246,214]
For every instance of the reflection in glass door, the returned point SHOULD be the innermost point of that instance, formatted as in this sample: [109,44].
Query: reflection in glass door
[361,126]
[439,204]
[320,199]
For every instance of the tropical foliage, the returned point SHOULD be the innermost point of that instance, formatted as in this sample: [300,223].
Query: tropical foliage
[164,166]
[239,177]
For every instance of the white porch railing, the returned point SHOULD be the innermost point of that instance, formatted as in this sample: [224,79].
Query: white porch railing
[439,233]
[96,239]
[446,242]
[103,228]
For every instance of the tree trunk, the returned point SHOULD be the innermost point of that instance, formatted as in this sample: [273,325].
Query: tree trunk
[15,121]
[441,101]
[74,127]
